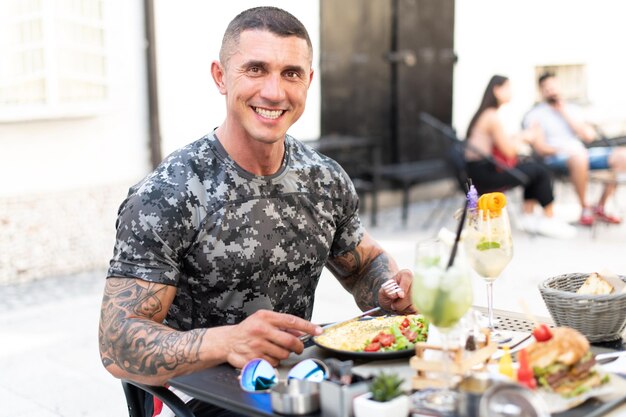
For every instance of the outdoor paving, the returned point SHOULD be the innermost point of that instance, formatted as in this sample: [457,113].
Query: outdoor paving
[49,358]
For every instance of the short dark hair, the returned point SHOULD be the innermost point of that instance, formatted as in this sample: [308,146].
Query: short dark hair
[544,77]
[271,19]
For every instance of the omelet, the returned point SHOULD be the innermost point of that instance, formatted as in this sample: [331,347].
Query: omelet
[353,336]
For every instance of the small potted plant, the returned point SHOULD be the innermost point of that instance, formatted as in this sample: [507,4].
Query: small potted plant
[385,398]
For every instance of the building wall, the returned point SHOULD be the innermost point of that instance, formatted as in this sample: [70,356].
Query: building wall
[108,147]
[511,38]
[62,180]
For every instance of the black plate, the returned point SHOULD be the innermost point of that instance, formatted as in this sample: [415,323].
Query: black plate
[370,356]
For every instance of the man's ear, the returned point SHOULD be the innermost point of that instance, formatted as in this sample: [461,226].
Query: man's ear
[310,77]
[217,72]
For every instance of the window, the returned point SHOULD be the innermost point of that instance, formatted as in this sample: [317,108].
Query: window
[572,78]
[54,61]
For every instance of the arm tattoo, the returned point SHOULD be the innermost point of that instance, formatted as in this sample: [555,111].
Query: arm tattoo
[131,339]
[363,280]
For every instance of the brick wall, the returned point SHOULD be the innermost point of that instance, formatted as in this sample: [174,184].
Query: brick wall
[53,234]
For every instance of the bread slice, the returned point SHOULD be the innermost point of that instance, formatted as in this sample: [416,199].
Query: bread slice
[595,285]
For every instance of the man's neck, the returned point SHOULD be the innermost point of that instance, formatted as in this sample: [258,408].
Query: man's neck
[254,156]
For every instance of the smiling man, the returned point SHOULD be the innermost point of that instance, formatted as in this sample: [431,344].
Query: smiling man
[220,249]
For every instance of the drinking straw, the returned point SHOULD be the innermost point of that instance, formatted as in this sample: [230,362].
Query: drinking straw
[527,312]
[458,236]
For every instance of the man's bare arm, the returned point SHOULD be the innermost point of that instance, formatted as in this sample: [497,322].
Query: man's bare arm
[133,342]
[135,345]
[363,270]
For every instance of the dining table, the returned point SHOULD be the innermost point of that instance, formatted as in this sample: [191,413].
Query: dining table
[220,385]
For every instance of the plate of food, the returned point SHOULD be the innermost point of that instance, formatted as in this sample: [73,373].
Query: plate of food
[383,337]
[563,370]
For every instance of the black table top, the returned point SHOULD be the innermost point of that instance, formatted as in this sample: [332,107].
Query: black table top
[220,385]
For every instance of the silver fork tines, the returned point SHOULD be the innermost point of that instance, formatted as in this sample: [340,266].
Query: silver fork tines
[391,287]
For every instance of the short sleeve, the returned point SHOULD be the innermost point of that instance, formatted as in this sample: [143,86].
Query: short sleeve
[151,237]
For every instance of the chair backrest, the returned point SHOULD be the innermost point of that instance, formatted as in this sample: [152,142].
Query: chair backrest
[456,148]
[136,399]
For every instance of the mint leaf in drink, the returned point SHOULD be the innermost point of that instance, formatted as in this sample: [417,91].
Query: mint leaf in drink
[487,245]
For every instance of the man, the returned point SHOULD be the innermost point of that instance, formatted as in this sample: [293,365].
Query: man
[563,149]
[219,250]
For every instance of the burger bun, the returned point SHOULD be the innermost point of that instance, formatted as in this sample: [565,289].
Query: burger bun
[567,346]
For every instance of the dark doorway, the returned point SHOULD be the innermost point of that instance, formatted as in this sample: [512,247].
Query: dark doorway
[382,62]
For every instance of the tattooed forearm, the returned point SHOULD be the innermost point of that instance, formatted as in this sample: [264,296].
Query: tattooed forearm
[363,280]
[365,290]
[131,335]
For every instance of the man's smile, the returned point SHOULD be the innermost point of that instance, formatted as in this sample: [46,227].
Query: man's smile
[267,113]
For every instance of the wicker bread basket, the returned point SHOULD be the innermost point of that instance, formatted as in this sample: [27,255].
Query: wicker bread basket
[599,317]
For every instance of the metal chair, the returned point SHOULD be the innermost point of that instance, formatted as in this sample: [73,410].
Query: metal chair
[408,174]
[136,399]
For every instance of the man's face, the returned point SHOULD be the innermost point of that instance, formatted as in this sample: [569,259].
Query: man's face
[265,81]
[550,89]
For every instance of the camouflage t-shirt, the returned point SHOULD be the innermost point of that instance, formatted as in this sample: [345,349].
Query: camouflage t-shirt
[232,242]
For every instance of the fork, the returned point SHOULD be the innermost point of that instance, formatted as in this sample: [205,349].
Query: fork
[391,287]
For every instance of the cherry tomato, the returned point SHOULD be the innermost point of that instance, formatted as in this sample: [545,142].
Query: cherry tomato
[405,323]
[542,333]
[372,347]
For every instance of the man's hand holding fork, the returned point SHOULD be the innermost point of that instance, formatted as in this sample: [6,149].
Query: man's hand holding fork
[394,295]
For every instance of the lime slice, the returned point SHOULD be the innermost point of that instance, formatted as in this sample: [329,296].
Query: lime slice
[487,245]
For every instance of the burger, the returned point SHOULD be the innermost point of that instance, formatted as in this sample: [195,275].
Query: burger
[564,363]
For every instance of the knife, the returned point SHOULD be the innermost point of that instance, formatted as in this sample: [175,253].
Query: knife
[603,358]
[306,337]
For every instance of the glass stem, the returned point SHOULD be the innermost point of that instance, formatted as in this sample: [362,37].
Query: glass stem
[490,304]
[446,360]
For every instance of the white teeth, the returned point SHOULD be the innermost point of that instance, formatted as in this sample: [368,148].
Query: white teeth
[270,114]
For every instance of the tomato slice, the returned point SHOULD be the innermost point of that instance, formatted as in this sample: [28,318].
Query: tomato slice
[412,336]
[405,323]
[386,339]
[372,347]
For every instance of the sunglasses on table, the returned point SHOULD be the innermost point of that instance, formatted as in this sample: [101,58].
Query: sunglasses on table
[258,375]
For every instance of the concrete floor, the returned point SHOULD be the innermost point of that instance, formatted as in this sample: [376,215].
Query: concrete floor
[49,363]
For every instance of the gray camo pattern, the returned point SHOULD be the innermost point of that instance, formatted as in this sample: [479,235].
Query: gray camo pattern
[232,242]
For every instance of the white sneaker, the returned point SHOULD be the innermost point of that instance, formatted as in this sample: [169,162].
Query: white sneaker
[529,223]
[554,228]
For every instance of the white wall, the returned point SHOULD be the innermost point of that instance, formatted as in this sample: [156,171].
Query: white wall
[512,37]
[189,35]
[112,147]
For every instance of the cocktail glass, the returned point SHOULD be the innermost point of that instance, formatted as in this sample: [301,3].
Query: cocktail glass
[443,295]
[489,249]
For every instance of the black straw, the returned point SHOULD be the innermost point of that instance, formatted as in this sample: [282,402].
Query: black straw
[458,236]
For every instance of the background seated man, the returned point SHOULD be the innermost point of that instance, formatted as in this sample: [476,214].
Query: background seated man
[564,131]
